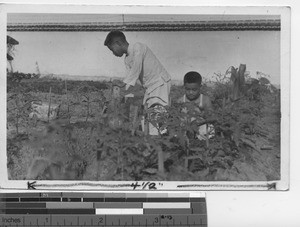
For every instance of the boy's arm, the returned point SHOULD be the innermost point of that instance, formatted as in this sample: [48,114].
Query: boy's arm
[207,103]
[135,70]
[179,100]
[210,118]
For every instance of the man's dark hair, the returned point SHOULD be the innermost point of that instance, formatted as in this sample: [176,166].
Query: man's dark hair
[113,35]
[192,77]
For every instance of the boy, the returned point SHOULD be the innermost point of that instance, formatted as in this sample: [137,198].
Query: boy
[192,85]
[141,64]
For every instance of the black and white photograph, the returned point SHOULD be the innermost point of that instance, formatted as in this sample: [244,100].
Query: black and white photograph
[186,99]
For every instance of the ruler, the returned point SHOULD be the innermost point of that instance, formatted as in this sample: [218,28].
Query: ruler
[103,209]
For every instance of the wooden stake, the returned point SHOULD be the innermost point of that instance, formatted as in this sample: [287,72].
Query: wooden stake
[69,117]
[146,122]
[134,120]
[49,109]
[238,80]
[160,156]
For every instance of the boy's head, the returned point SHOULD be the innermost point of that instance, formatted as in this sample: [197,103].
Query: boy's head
[192,84]
[116,42]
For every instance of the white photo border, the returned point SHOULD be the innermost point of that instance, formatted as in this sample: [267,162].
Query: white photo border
[282,184]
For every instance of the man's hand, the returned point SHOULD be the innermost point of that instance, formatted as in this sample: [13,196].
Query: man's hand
[127,90]
[119,89]
[118,83]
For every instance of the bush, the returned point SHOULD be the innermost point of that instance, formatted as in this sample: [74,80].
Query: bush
[104,143]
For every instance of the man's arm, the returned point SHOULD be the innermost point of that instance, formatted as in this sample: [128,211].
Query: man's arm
[129,89]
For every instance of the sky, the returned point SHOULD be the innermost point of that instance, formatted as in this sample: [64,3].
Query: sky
[83,53]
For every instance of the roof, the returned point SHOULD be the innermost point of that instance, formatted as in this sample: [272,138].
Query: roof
[101,22]
[271,25]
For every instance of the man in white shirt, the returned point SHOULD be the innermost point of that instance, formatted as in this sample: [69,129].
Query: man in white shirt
[141,64]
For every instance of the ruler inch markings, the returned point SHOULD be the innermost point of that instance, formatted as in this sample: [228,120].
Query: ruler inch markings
[69,212]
